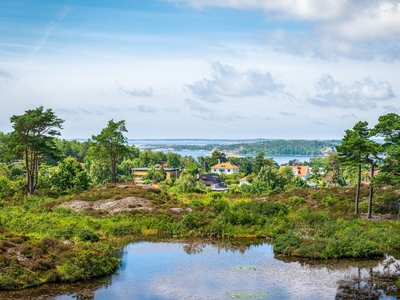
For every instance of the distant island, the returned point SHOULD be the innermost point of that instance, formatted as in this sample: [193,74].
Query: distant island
[245,147]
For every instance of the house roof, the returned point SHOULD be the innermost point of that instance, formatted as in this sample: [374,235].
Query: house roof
[297,170]
[148,169]
[211,178]
[224,166]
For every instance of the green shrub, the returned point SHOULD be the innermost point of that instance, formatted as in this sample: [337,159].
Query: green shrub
[330,200]
[123,229]
[196,202]
[296,200]
[217,203]
[87,235]
[284,242]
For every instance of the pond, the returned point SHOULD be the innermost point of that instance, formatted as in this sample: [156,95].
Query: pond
[220,269]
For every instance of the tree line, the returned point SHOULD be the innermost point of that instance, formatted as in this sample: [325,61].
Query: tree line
[270,147]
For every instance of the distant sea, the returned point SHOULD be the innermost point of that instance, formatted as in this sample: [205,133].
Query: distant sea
[145,144]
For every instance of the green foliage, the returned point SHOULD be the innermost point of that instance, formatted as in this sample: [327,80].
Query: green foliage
[87,235]
[5,186]
[74,148]
[33,139]
[70,176]
[329,200]
[125,173]
[286,243]
[296,200]
[155,175]
[299,183]
[100,172]
[185,183]
[196,202]
[109,145]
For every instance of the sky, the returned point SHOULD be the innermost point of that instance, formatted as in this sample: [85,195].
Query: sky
[221,69]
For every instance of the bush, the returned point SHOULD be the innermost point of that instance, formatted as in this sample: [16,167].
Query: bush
[218,203]
[284,242]
[87,235]
[296,200]
[123,229]
[196,202]
[329,200]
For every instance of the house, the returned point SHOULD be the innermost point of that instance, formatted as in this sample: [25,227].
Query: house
[214,182]
[243,181]
[300,171]
[138,173]
[225,168]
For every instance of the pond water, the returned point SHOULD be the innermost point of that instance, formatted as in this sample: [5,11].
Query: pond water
[224,270]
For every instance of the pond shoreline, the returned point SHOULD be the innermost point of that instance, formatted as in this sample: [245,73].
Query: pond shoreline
[235,259]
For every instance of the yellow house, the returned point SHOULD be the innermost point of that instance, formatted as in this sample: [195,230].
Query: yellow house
[138,173]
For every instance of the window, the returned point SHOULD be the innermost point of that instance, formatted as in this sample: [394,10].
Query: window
[229,170]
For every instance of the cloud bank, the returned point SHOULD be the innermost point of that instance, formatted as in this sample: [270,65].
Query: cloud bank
[337,28]
[226,81]
[361,94]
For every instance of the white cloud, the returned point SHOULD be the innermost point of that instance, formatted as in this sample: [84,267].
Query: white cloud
[146,109]
[299,9]
[228,82]
[361,94]
[337,28]
[230,117]
[284,113]
[139,93]
[6,75]
[345,117]
[391,109]
[196,106]
[369,21]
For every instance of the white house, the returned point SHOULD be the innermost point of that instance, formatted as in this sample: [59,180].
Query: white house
[243,181]
[225,168]
[300,171]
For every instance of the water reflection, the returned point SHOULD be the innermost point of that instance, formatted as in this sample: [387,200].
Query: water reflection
[226,269]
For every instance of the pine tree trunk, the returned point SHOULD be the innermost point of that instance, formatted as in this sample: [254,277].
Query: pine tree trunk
[358,190]
[113,170]
[371,192]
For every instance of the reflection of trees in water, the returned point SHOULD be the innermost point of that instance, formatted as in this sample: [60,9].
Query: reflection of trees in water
[332,264]
[373,279]
[380,282]
[195,246]
[78,290]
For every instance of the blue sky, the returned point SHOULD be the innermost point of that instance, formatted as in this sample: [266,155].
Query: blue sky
[200,68]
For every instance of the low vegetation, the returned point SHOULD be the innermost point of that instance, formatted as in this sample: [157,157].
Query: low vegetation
[60,218]
[44,241]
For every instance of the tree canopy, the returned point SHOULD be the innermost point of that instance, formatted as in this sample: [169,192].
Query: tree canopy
[111,144]
[33,138]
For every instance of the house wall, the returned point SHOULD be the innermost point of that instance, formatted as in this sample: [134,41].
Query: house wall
[173,174]
[138,174]
[225,170]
